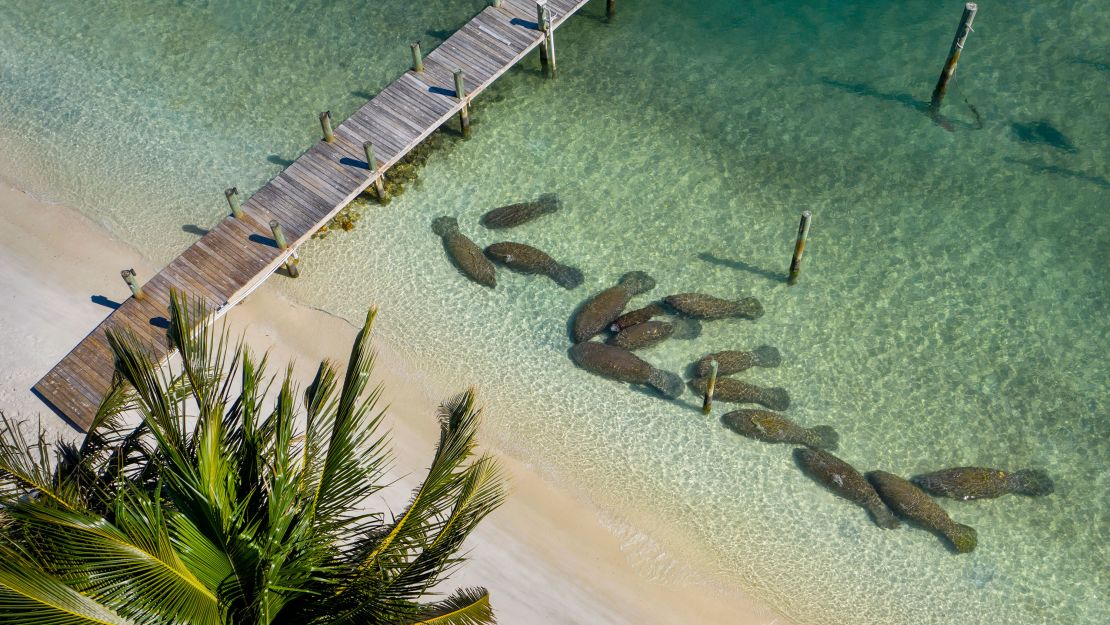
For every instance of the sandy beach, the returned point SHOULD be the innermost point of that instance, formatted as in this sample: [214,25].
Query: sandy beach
[546,555]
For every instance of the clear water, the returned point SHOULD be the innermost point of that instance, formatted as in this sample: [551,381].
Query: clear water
[953,304]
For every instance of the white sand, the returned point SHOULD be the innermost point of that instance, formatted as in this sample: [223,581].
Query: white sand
[545,555]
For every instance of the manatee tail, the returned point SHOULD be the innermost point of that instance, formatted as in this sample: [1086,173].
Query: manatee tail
[667,383]
[963,537]
[637,282]
[444,225]
[549,202]
[1031,482]
[748,307]
[775,398]
[766,356]
[566,276]
[827,438]
[686,329]
[884,518]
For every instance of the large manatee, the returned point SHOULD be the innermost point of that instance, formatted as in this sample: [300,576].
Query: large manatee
[770,427]
[982,483]
[914,504]
[600,310]
[527,259]
[523,212]
[843,480]
[620,364]
[735,361]
[740,392]
[701,306]
[464,253]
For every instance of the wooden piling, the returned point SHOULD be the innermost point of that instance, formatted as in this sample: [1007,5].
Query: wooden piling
[129,277]
[541,6]
[464,112]
[279,238]
[232,196]
[548,39]
[953,57]
[710,386]
[496,4]
[372,165]
[799,247]
[610,9]
[325,125]
[417,57]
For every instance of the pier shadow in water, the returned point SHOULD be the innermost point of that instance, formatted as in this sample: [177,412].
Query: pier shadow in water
[194,229]
[1044,133]
[438,35]
[278,160]
[773,276]
[1099,65]
[104,301]
[363,95]
[1044,168]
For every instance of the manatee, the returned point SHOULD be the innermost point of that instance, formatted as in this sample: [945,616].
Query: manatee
[640,315]
[620,364]
[769,427]
[740,392]
[523,212]
[912,503]
[651,333]
[702,306]
[729,362]
[843,480]
[527,259]
[980,483]
[464,253]
[601,309]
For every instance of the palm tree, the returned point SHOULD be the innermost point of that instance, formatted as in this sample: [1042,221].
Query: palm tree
[223,508]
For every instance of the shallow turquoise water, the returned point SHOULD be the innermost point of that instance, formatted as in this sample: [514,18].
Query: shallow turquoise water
[953,304]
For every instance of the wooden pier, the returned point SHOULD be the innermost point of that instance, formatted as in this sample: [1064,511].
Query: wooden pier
[240,253]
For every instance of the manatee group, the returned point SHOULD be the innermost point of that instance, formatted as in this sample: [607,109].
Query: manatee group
[638,316]
[467,256]
[701,306]
[740,392]
[982,483]
[735,361]
[622,365]
[843,480]
[651,333]
[771,427]
[914,504]
[600,310]
[523,212]
[527,259]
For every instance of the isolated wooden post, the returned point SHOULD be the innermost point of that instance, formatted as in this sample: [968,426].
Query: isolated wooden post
[372,165]
[325,124]
[541,6]
[799,247]
[710,386]
[417,57]
[129,277]
[496,4]
[232,196]
[953,56]
[548,38]
[279,238]
[464,112]
[610,8]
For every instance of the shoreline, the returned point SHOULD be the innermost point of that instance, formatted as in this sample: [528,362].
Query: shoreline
[547,556]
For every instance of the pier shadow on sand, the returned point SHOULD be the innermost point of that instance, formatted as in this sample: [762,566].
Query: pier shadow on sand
[1041,167]
[773,276]
[104,301]
[194,229]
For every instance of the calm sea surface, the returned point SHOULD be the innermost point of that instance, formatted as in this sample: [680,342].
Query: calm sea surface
[953,307]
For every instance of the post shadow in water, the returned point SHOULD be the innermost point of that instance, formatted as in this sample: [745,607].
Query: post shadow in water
[194,229]
[908,101]
[1044,168]
[104,301]
[278,160]
[1099,65]
[1043,132]
[773,276]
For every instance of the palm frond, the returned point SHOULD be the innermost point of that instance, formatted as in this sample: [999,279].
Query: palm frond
[468,606]
[26,469]
[30,596]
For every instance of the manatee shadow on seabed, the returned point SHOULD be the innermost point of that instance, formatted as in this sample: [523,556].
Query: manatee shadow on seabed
[1044,168]
[773,276]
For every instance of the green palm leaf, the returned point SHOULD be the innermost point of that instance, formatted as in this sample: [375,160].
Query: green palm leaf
[468,606]
[29,596]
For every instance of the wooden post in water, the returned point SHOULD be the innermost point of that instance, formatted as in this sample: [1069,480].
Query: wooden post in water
[417,57]
[799,247]
[325,124]
[232,196]
[953,57]
[548,38]
[541,6]
[610,9]
[464,112]
[372,165]
[129,277]
[279,238]
[710,386]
